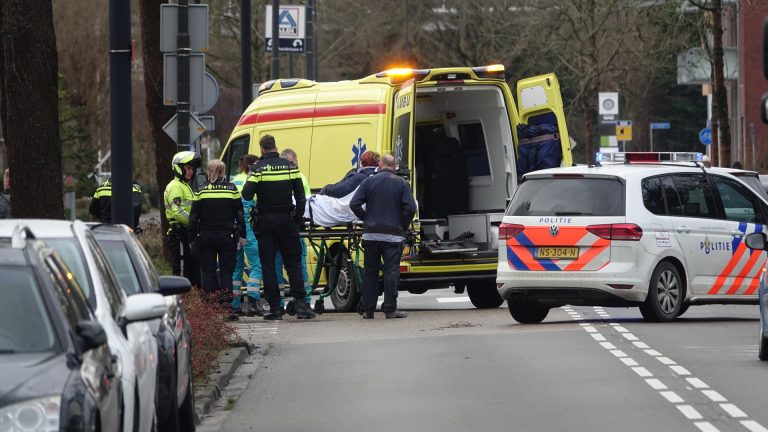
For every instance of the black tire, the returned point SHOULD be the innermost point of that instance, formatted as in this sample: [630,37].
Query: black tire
[171,421]
[187,408]
[527,312]
[483,295]
[345,295]
[683,309]
[665,294]
[762,354]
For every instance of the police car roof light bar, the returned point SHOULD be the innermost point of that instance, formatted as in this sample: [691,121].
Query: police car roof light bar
[652,157]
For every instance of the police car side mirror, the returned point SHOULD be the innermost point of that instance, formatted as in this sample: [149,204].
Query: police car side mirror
[756,241]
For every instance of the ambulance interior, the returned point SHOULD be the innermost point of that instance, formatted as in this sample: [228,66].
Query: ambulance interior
[464,167]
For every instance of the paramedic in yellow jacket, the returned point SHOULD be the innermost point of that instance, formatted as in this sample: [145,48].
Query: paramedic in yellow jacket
[178,199]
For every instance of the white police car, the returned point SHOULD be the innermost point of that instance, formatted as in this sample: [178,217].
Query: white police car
[661,236]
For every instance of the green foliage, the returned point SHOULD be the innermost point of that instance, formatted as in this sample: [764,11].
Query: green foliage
[78,152]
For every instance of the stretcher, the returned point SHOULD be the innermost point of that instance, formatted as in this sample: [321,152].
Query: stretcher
[348,255]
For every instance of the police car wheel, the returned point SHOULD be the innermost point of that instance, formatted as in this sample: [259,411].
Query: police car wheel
[484,295]
[763,352]
[527,312]
[665,294]
[345,295]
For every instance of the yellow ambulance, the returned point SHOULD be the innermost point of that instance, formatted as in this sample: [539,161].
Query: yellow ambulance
[454,133]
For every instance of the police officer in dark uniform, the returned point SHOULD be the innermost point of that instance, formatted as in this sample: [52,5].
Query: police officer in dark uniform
[216,223]
[277,183]
[101,203]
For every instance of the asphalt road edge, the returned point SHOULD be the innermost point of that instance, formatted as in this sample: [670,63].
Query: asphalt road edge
[207,393]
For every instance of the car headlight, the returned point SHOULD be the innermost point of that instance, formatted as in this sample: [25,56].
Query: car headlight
[31,415]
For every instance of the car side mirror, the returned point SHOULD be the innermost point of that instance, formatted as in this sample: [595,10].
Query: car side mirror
[172,285]
[756,241]
[143,307]
[91,334]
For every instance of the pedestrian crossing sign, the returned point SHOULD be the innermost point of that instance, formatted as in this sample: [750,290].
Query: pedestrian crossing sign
[624,130]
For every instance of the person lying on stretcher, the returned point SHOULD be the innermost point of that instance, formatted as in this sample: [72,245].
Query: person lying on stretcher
[331,206]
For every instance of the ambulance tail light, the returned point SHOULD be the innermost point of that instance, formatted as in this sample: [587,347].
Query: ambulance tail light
[508,231]
[629,232]
[495,71]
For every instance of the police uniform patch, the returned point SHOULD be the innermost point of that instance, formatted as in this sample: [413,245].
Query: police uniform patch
[177,201]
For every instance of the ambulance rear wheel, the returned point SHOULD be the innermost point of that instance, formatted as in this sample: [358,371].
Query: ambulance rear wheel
[483,295]
[527,312]
[665,294]
[345,296]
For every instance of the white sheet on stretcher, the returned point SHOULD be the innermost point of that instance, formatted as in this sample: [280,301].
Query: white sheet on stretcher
[328,211]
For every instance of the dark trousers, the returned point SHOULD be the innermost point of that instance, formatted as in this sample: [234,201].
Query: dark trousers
[217,247]
[278,231]
[374,253]
[183,261]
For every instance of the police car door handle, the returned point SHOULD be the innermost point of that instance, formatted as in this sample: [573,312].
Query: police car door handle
[737,233]
[683,229]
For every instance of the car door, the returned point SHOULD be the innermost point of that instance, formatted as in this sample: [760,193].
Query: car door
[402,129]
[704,239]
[97,367]
[743,213]
[539,98]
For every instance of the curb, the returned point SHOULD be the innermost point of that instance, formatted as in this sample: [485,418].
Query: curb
[209,391]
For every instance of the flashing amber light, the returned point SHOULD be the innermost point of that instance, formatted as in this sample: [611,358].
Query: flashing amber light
[495,71]
[398,71]
[495,68]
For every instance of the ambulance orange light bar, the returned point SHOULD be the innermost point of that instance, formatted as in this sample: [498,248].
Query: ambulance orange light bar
[645,157]
[492,71]
[398,75]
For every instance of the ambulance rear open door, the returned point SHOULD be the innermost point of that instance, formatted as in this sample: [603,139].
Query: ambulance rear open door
[402,130]
[539,101]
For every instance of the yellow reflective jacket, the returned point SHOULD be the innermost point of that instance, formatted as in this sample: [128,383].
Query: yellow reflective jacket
[178,199]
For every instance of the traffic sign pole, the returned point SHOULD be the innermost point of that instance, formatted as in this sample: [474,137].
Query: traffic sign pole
[245,52]
[120,107]
[182,94]
[275,37]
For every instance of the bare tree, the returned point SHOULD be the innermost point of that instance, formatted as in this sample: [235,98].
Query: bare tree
[158,114]
[31,107]
[721,130]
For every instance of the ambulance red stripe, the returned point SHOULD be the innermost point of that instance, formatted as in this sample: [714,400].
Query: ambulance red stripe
[316,112]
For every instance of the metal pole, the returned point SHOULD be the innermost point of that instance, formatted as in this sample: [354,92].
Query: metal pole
[245,53]
[120,107]
[182,74]
[650,133]
[310,40]
[275,39]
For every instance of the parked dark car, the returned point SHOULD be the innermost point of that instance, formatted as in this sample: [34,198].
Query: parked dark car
[759,242]
[137,274]
[56,370]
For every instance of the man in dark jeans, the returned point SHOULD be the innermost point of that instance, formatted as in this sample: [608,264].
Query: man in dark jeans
[390,208]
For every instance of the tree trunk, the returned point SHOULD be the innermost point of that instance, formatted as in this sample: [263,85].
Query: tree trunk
[159,114]
[31,107]
[720,94]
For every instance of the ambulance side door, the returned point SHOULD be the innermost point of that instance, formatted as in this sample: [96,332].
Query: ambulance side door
[539,101]
[402,130]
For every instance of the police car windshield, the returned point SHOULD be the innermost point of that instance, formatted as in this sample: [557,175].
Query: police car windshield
[73,258]
[753,181]
[569,196]
[24,322]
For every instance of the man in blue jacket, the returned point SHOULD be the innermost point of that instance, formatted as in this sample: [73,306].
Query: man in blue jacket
[389,210]
[368,163]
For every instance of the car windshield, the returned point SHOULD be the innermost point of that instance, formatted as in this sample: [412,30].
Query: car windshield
[753,181]
[24,322]
[74,259]
[120,261]
[568,196]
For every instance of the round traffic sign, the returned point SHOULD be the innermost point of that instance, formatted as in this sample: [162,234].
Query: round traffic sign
[210,94]
[705,136]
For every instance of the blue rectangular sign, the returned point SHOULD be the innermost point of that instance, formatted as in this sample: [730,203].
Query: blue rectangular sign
[661,125]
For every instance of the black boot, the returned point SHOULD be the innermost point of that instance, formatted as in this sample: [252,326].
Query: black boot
[275,314]
[303,311]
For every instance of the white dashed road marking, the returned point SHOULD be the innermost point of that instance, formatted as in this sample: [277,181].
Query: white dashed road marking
[681,372]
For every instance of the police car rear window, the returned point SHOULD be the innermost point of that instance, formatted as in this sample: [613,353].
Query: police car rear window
[569,196]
